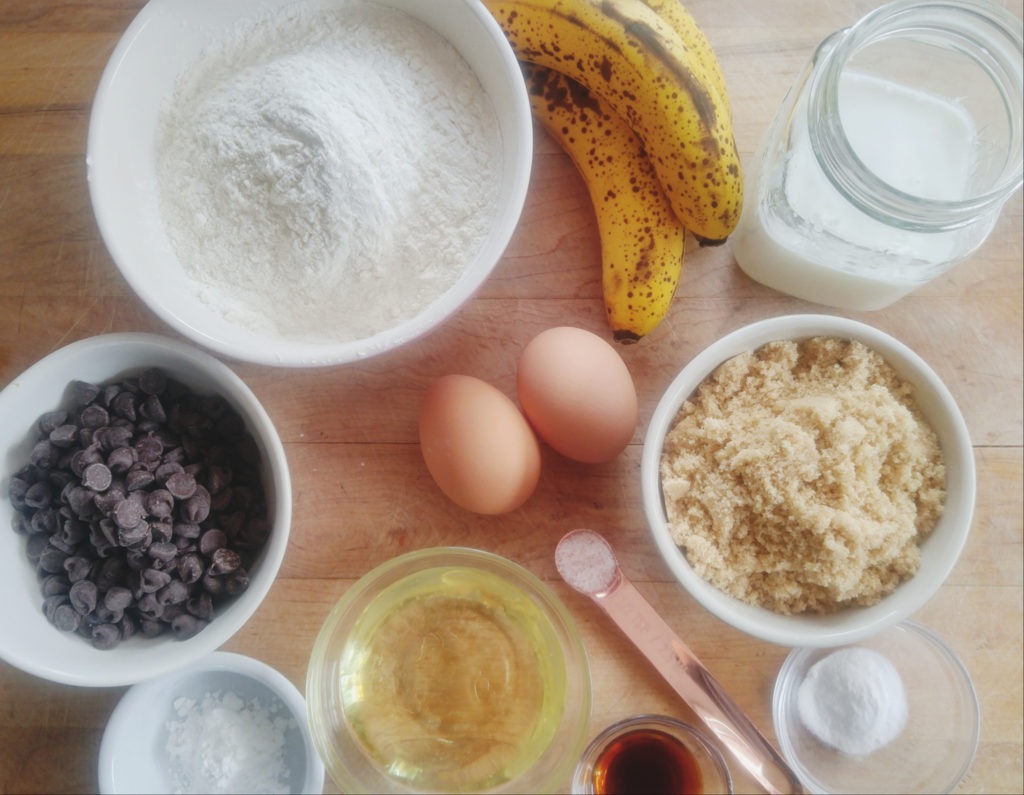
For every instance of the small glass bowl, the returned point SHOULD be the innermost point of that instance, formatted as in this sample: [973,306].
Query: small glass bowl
[934,750]
[449,670]
[652,739]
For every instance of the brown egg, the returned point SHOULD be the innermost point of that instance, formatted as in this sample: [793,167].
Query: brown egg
[477,445]
[578,394]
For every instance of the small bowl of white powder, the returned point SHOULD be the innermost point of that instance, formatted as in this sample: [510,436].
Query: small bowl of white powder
[227,724]
[894,713]
[309,183]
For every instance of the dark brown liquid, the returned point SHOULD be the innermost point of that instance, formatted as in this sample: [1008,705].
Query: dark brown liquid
[646,762]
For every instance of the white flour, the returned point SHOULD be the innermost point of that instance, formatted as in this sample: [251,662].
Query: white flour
[328,170]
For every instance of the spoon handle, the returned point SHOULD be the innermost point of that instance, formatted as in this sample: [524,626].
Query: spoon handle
[694,683]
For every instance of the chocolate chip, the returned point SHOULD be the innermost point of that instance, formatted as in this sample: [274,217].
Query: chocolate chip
[212,540]
[44,454]
[138,477]
[190,568]
[66,618]
[152,580]
[224,561]
[128,513]
[124,406]
[160,503]
[83,393]
[163,551]
[96,477]
[186,626]
[201,606]
[95,416]
[121,459]
[196,508]
[181,485]
[117,597]
[105,636]
[39,495]
[55,584]
[83,595]
[77,568]
[50,420]
[64,435]
[174,593]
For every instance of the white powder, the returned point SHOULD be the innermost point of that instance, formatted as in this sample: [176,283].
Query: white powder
[853,700]
[222,744]
[586,562]
[328,170]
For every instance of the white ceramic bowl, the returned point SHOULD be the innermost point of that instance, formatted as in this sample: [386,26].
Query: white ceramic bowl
[134,756]
[934,750]
[27,639]
[939,551]
[165,39]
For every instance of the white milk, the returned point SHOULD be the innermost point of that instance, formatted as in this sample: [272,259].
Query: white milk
[796,231]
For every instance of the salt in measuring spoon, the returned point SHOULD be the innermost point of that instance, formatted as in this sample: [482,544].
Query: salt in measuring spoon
[588,564]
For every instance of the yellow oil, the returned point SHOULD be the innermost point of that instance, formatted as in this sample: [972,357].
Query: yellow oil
[454,680]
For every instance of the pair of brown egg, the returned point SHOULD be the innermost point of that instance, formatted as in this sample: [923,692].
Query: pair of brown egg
[574,391]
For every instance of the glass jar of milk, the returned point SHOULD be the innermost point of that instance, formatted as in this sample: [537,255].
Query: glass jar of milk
[890,158]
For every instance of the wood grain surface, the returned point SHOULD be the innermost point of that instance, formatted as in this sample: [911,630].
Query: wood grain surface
[362,493]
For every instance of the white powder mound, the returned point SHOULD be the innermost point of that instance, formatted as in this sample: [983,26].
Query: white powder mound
[328,170]
[854,701]
[223,744]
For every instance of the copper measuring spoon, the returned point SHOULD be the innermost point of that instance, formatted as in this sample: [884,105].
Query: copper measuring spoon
[586,561]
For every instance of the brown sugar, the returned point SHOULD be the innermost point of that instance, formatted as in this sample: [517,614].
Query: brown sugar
[802,477]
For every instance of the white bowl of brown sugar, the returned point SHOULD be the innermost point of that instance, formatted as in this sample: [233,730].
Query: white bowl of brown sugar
[809,480]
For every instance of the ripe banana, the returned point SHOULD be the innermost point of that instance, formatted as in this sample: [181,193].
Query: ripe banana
[641,238]
[676,15]
[631,57]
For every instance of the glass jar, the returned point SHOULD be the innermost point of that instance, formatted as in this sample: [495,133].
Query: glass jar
[890,158]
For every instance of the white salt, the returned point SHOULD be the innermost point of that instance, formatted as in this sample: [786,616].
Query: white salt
[586,562]
[224,744]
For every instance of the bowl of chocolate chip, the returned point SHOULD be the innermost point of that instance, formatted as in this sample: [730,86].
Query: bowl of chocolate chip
[146,505]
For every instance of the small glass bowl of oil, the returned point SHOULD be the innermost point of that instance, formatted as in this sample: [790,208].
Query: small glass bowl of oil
[651,755]
[449,670]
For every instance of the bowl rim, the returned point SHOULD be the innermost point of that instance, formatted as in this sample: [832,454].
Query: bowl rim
[784,690]
[139,696]
[836,628]
[101,150]
[147,659]
[401,566]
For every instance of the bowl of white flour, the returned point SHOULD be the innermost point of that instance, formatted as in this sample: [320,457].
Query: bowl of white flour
[313,183]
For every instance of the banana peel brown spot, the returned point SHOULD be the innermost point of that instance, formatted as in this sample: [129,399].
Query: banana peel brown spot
[640,30]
